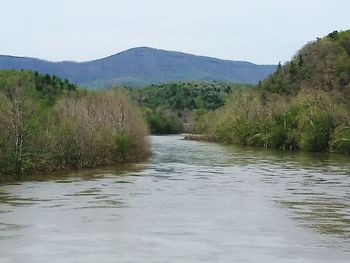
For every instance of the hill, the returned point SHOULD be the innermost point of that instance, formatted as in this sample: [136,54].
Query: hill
[143,66]
[304,105]
[323,64]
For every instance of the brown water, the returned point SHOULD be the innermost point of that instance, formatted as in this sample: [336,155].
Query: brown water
[193,202]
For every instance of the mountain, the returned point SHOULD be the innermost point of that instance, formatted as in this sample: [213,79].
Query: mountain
[143,66]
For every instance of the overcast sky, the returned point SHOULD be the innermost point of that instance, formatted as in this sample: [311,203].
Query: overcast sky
[260,31]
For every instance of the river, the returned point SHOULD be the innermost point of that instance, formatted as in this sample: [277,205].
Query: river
[192,202]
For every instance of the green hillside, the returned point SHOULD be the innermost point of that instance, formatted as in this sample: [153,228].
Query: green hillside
[323,64]
[304,105]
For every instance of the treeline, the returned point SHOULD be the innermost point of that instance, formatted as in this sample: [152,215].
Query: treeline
[323,65]
[176,107]
[304,105]
[49,124]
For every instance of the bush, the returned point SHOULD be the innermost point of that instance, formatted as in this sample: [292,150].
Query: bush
[341,140]
[278,137]
[124,145]
[315,136]
[163,122]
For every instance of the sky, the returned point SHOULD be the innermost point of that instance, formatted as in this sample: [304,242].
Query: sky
[259,31]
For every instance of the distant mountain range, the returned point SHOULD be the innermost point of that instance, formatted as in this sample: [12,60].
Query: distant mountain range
[143,66]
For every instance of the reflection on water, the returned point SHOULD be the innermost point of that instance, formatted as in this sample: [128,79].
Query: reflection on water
[314,187]
[193,202]
[327,216]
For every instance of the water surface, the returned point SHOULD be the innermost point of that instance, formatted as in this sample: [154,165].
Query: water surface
[193,202]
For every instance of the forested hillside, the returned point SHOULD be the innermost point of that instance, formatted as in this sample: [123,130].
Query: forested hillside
[175,107]
[49,124]
[323,65]
[143,66]
[304,105]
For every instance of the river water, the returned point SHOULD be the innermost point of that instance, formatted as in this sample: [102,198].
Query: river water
[192,202]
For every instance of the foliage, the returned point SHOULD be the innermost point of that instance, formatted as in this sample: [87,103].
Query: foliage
[323,64]
[250,119]
[163,122]
[124,145]
[304,105]
[341,139]
[50,124]
[175,107]
[315,136]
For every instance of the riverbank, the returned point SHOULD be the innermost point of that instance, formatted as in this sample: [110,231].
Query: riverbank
[134,164]
[48,124]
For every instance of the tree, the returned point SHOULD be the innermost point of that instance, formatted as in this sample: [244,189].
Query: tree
[333,35]
[17,110]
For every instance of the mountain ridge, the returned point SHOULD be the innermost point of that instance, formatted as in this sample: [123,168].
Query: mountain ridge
[142,66]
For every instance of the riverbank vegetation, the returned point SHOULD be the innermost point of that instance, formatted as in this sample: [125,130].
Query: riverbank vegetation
[50,124]
[175,107]
[304,105]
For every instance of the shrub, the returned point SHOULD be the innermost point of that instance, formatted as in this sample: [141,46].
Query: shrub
[124,145]
[341,140]
[315,135]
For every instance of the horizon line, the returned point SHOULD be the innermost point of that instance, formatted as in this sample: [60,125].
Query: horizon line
[133,48]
